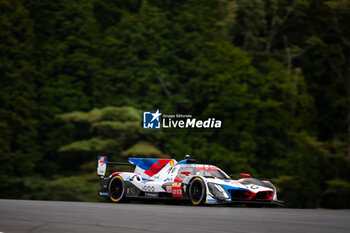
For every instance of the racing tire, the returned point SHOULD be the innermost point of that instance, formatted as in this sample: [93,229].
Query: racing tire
[197,191]
[116,189]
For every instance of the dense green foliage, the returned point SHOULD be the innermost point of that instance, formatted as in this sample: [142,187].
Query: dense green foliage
[77,74]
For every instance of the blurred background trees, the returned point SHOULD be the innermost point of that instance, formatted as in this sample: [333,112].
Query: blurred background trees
[76,76]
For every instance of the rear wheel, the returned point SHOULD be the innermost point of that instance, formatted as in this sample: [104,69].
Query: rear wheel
[116,189]
[197,191]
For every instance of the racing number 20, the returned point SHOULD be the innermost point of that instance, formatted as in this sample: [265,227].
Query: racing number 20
[176,190]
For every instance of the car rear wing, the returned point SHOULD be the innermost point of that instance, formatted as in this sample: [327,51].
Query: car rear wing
[102,165]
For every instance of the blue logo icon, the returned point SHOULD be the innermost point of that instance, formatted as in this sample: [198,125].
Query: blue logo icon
[151,120]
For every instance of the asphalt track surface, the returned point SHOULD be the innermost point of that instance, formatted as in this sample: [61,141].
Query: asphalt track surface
[51,216]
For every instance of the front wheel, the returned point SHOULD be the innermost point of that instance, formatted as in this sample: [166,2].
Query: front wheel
[116,189]
[197,191]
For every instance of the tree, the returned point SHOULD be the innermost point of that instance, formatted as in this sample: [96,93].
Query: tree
[66,58]
[114,131]
[19,147]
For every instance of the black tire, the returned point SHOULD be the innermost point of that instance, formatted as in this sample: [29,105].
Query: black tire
[197,191]
[116,189]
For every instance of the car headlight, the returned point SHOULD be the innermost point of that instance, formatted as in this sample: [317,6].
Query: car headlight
[218,191]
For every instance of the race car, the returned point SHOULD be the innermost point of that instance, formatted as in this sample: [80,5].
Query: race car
[184,180]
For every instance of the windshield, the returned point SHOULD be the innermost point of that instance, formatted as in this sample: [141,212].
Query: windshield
[213,174]
[206,171]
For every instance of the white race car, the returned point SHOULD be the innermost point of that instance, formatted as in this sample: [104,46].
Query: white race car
[169,179]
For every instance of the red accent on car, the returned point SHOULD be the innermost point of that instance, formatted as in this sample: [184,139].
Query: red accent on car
[177,179]
[264,196]
[163,162]
[177,190]
[243,175]
[242,194]
[116,173]
[249,194]
[208,168]
[185,172]
[149,173]
[156,167]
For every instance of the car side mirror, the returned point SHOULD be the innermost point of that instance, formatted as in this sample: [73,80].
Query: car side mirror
[245,175]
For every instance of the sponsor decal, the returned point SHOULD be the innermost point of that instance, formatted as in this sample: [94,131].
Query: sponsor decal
[176,190]
[101,167]
[151,194]
[132,191]
[102,159]
[157,120]
[212,201]
[148,188]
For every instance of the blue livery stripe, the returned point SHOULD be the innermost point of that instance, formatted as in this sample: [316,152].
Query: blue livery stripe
[229,187]
[145,164]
